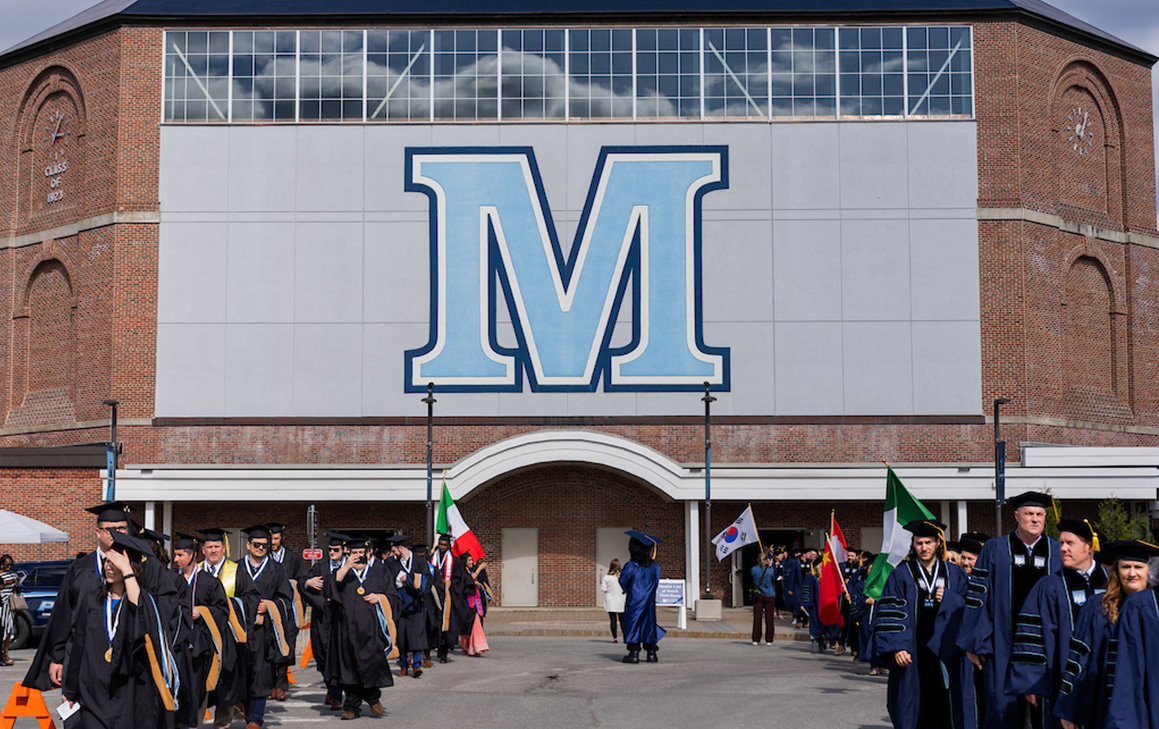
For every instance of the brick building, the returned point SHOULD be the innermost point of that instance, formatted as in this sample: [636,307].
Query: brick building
[263,231]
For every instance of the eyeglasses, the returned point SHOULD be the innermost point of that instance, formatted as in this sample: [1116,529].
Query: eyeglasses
[336,549]
[260,545]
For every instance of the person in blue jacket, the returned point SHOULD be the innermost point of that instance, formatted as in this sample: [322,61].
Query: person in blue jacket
[1005,573]
[1043,632]
[1085,693]
[639,580]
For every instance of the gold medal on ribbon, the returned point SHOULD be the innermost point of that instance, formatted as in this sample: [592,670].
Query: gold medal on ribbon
[361,590]
[109,655]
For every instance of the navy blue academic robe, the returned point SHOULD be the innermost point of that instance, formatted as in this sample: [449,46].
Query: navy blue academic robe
[856,589]
[1086,687]
[1135,700]
[897,630]
[792,585]
[1042,642]
[988,626]
[639,585]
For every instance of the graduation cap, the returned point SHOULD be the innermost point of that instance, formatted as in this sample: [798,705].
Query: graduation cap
[445,537]
[154,536]
[338,539]
[134,547]
[276,528]
[1135,550]
[396,539]
[257,531]
[1030,498]
[642,537]
[420,550]
[972,542]
[215,534]
[927,528]
[185,541]
[112,511]
[360,541]
[954,546]
[1080,528]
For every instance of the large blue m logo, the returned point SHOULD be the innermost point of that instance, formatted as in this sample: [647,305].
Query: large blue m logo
[638,242]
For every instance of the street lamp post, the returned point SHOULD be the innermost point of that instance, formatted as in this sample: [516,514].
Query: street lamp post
[708,400]
[999,467]
[430,401]
[112,451]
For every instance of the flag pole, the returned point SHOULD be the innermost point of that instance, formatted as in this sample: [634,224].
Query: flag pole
[758,531]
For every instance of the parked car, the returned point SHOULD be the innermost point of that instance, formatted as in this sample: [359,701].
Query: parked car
[39,585]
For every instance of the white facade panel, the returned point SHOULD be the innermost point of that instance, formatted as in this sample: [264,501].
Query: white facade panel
[815,263]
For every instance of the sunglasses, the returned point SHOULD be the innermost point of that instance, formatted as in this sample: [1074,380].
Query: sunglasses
[260,545]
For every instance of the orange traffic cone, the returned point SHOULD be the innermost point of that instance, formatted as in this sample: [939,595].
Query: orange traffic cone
[290,676]
[25,702]
[307,654]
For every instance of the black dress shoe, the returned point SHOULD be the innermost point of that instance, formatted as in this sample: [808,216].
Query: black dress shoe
[632,657]
[444,659]
[418,672]
[652,657]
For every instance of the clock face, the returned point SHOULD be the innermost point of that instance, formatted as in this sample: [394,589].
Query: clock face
[56,134]
[1080,129]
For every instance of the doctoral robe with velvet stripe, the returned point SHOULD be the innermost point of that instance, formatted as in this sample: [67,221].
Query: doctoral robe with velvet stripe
[988,626]
[639,584]
[898,629]
[1042,638]
[262,651]
[1135,700]
[359,642]
[1085,692]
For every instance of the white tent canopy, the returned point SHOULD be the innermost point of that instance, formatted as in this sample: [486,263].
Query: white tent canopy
[17,529]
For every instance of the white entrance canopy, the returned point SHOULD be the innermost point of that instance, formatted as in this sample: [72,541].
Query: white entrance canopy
[18,529]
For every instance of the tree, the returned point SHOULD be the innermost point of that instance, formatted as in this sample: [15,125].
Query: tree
[1116,522]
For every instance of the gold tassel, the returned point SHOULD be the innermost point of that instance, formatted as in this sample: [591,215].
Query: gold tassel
[1094,537]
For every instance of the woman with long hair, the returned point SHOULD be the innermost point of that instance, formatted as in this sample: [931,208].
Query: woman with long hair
[613,597]
[474,641]
[1085,695]
[9,585]
[120,669]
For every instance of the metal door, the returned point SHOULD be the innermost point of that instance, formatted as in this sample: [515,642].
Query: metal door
[520,567]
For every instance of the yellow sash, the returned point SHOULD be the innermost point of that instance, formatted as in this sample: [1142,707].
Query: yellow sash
[228,576]
[215,664]
[235,625]
[299,608]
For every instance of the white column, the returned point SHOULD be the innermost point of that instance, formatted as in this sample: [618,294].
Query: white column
[167,518]
[945,519]
[963,526]
[692,550]
[150,514]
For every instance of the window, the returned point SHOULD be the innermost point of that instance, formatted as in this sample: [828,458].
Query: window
[330,74]
[265,71]
[736,73]
[577,74]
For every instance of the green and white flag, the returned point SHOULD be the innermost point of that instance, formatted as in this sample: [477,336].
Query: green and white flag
[900,509]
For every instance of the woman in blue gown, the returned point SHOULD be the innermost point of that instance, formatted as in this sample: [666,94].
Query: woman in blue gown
[1085,694]
[639,580]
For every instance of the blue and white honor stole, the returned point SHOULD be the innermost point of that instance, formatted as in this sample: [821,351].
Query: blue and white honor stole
[249,567]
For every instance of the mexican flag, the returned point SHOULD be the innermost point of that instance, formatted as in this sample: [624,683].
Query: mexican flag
[449,521]
[900,509]
[832,584]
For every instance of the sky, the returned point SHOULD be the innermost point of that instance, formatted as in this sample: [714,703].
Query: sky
[1135,21]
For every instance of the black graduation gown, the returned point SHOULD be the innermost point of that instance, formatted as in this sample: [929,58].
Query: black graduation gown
[452,596]
[233,683]
[83,577]
[1135,698]
[412,613]
[120,693]
[263,647]
[199,646]
[361,638]
[321,615]
[296,571]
